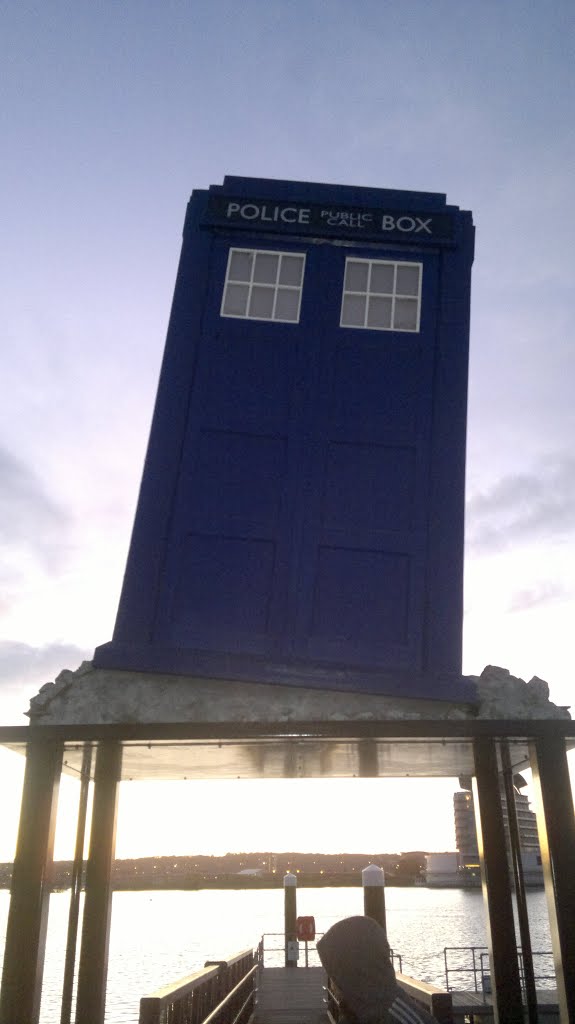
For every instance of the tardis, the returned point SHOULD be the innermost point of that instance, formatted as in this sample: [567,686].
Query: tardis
[301,512]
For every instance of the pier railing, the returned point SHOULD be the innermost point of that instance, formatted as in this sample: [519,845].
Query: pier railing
[272,947]
[272,952]
[468,968]
[222,992]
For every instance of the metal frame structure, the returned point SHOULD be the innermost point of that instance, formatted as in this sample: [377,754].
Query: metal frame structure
[415,748]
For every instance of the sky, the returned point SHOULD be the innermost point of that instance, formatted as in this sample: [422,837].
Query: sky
[111,113]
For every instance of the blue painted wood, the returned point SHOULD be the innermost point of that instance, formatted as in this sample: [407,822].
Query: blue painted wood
[301,512]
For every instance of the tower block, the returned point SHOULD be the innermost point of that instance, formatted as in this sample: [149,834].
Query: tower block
[301,512]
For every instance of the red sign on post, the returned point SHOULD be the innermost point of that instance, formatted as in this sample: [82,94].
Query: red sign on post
[305,929]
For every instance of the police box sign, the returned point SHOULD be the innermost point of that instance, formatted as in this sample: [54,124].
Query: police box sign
[328,219]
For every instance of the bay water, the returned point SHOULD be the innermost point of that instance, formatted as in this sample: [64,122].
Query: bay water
[160,936]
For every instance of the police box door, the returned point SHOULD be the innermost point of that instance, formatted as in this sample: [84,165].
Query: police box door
[299,523]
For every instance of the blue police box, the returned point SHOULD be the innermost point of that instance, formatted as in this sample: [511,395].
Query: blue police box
[301,513]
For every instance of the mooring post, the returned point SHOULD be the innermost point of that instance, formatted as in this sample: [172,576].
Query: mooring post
[373,882]
[290,915]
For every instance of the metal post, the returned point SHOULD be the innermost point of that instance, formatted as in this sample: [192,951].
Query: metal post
[290,916]
[31,881]
[368,759]
[373,882]
[520,893]
[93,970]
[506,983]
[556,827]
[76,888]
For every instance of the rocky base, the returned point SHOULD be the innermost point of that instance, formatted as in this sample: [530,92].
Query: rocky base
[102,696]
[502,695]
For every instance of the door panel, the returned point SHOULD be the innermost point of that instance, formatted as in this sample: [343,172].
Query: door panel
[228,563]
[362,561]
[299,522]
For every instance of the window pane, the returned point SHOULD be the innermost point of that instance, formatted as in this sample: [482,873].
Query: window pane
[241,266]
[266,268]
[262,302]
[356,276]
[405,317]
[381,295]
[353,311]
[256,279]
[236,300]
[287,303]
[407,280]
[291,270]
[379,313]
[382,278]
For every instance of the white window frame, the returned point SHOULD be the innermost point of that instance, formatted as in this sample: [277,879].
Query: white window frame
[393,295]
[276,287]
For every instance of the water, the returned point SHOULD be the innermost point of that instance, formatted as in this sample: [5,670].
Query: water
[158,937]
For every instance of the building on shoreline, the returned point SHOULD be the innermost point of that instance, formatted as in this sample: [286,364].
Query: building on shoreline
[466,829]
[467,844]
[461,868]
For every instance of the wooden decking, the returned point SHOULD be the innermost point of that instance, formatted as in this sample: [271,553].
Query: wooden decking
[480,1007]
[289,995]
[296,996]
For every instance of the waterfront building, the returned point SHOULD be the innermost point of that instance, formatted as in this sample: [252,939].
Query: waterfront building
[462,868]
[467,842]
[442,870]
[465,828]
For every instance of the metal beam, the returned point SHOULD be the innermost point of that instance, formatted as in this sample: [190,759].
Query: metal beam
[93,970]
[176,750]
[556,827]
[384,728]
[31,879]
[520,891]
[505,978]
[76,888]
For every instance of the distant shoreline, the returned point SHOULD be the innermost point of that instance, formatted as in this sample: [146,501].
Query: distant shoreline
[259,883]
[193,885]
[252,884]
[243,871]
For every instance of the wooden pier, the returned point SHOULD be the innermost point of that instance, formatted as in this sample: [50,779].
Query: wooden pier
[240,990]
[287,996]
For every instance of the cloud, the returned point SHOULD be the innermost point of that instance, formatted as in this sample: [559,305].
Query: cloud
[24,669]
[535,505]
[29,517]
[543,593]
